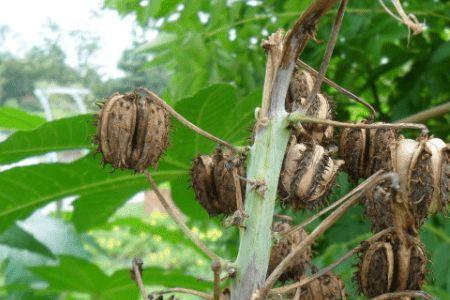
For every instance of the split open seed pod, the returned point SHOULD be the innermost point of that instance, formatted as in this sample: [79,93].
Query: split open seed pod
[307,175]
[283,248]
[392,263]
[214,184]
[321,107]
[132,131]
[366,151]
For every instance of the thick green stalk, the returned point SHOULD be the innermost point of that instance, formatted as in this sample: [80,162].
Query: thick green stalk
[266,157]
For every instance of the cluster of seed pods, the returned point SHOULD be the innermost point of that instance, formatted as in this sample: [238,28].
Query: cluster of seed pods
[397,262]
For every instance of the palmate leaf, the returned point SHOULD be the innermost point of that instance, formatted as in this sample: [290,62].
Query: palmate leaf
[13,118]
[78,275]
[100,192]
[17,237]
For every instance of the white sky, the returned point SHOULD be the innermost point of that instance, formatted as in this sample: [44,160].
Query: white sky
[26,20]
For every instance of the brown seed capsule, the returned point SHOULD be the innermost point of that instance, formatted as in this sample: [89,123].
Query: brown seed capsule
[307,175]
[300,87]
[326,287]
[214,184]
[283,247]
[376,273]
[393,263]
[132,132]
[366,151]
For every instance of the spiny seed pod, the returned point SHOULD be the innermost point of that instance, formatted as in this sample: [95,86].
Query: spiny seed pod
[300,87]
[307,175]
[390,264]
[132,132]
[284,246]
[366,151]
[326,287]
[214,184]
[377,269]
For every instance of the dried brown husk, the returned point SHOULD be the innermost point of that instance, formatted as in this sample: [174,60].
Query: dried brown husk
[202,177]
[352,149]
[213,182]
[307,175]
[379,150]
[132,132]
[327,287]
[283,248]
[321,107]
[395,262]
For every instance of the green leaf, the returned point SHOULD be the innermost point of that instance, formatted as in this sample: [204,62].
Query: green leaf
[63,134]
[78,275]
[99,191]
[17,237]
[13,118]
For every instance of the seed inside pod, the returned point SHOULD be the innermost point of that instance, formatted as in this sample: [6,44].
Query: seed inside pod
[283,247]
[417,266]
[307,175]
[132,132]
[213,182]
[300,87]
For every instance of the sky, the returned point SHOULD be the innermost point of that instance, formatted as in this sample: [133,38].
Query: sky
[27,21]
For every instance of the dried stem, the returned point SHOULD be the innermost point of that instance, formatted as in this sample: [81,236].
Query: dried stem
[425,115]
[175,214]
[237,186]
[328,52]
[397,295]
[300,117]
[323,226]
[184,291]
[137,269]
[305,281]
[409,20]
[215,267]
[186,122]
[373,112]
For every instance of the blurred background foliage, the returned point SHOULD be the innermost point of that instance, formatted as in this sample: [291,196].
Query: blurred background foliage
[206,61]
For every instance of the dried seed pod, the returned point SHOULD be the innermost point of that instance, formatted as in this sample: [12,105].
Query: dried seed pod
[326,287]
[213,182]
[202,176]
[132,132]
[300,87]
[283,247]
[224,181]
[377,270]
[307,175]
[395,262]
[366,151]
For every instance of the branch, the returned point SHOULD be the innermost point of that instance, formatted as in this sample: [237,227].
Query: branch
[324,225]
[187,123]
[423,116]
[137,276]
[185,291]
[173,211]
[328,52]
[409,20]
[215,267]
[300,117]
[340,89]
[397,295]
[305,281]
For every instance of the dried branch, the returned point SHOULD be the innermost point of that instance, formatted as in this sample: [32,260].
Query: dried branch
[186,122]
[215,267]
[300,117]
[409,20]
[137,276]
[397,295]
[340,89]
[175,214]
[305,281]
[328,52]
[184,291]
[323,226]
[425,115]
